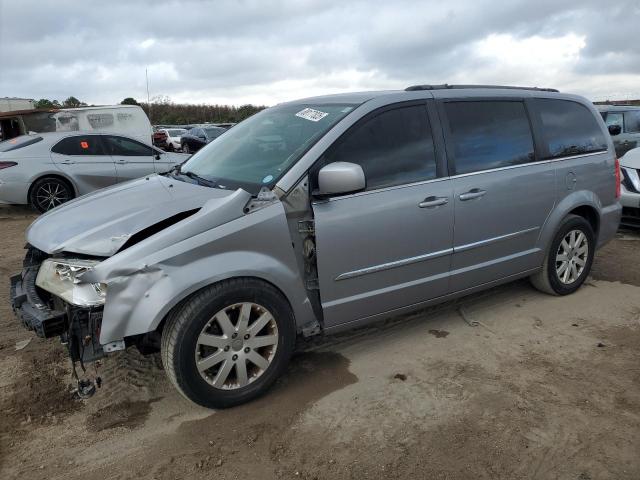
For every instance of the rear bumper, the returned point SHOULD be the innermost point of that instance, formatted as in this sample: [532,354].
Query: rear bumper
[609,223]
[16,193]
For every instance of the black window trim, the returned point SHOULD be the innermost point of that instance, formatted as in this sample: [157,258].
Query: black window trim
[436,134]
[448,136]
[103,146]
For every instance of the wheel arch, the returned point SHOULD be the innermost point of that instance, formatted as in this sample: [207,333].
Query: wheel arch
[583,203]
[59,176]
[184,297]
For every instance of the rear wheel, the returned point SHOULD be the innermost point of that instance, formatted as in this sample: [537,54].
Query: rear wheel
[569,258]
[49,192]
[228,343]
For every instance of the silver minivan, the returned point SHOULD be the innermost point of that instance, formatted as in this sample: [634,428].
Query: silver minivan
[320,215]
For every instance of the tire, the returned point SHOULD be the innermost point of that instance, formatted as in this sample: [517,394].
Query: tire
[560,282]
[185,148]
[49,192]
[199,319]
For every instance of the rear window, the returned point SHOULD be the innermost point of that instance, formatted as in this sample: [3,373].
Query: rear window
[569,128]
[79,145]
[489,134]
[18,142]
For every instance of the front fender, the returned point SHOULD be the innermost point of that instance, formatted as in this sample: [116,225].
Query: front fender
[140,294]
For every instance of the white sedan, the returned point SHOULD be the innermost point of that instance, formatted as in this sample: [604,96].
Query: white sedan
[48,169]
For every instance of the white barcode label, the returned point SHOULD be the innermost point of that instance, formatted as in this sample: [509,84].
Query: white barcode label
[311,114]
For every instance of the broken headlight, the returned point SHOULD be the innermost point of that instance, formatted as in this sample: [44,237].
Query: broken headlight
[63,278]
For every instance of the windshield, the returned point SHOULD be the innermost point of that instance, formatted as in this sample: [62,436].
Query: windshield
[176,132]
[258,151]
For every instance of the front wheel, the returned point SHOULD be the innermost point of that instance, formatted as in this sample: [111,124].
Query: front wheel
[228,343]
[568,261]
[185,148]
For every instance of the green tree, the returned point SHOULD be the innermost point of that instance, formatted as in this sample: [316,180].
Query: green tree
[129,101]
[46,103]
[73,102]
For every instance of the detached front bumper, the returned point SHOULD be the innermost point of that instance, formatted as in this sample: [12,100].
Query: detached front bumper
[77,327]
[31,310]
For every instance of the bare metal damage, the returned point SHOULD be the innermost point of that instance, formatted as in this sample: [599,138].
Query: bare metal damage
[144,281]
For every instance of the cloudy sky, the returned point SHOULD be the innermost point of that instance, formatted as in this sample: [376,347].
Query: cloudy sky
[264,52]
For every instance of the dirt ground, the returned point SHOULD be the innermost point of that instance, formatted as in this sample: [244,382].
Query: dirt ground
[542,388]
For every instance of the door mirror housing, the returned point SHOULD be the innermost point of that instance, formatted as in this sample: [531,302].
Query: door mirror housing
[340,177]
[615,130]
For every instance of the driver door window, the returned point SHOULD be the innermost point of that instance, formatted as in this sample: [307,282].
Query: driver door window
[133,159]
[394,147]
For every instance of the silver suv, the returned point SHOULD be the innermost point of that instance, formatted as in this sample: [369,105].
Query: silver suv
[320,215]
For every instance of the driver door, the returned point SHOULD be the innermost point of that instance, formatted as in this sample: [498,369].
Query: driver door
[389,246]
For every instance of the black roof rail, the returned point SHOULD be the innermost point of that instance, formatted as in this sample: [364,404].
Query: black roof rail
[446,86]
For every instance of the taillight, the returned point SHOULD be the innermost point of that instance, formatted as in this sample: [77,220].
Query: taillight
[7,164]
[617,178]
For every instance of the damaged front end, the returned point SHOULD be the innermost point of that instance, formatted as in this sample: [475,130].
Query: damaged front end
[49,298]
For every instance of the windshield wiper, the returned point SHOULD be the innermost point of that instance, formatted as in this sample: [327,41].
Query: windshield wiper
[201,180]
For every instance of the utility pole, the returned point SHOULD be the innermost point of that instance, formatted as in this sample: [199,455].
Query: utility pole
[146,72]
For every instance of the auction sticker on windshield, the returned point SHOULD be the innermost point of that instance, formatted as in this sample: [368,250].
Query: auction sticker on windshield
[311,114]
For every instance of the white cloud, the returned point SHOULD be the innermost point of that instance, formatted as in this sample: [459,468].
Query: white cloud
[266,52]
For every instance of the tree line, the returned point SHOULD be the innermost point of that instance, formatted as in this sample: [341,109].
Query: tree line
[162,111]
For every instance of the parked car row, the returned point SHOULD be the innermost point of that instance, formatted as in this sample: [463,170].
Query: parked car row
[189,139]
[48,169]
[320,215]
[623,123]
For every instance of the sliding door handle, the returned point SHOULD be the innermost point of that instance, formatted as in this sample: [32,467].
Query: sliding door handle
[471,194]
[432,201]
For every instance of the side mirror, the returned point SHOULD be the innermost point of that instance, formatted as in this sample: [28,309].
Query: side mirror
[615,130]
[340,177]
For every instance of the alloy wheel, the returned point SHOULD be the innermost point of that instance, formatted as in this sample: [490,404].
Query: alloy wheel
[571,257]
[51,194]
[236,346]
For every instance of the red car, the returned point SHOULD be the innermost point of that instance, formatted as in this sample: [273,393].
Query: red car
[159,139]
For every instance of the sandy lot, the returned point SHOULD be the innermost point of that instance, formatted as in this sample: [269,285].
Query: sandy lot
[543,388]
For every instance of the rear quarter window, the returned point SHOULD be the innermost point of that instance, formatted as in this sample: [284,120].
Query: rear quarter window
[568,128]
[79,145]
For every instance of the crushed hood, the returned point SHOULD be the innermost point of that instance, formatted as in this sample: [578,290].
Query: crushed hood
[100,223]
